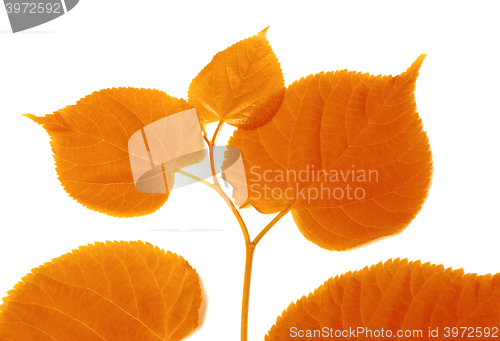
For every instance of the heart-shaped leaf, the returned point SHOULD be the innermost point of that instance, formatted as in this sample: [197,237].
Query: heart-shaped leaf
[346,152]
[90,141]
[113,291]
[242,85]
[418,301]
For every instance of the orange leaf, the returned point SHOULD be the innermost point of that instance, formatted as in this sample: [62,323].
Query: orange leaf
[113,291]
[346,152]
[242,85]
[395,296]
[90,145]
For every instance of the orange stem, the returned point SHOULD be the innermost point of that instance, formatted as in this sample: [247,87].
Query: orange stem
[249,245]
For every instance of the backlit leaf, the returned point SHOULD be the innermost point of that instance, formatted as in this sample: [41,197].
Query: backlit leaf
[242,85]
[90,141]
[346,152]
[113,291]
[396,296]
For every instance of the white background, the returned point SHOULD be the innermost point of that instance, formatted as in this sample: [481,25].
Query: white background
[163,45]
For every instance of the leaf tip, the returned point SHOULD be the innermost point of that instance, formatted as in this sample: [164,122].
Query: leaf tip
[262,35]
[411,74]
[415,66]
[420,59]
[32,117]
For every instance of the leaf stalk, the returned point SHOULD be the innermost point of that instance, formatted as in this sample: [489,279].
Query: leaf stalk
[249,244]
